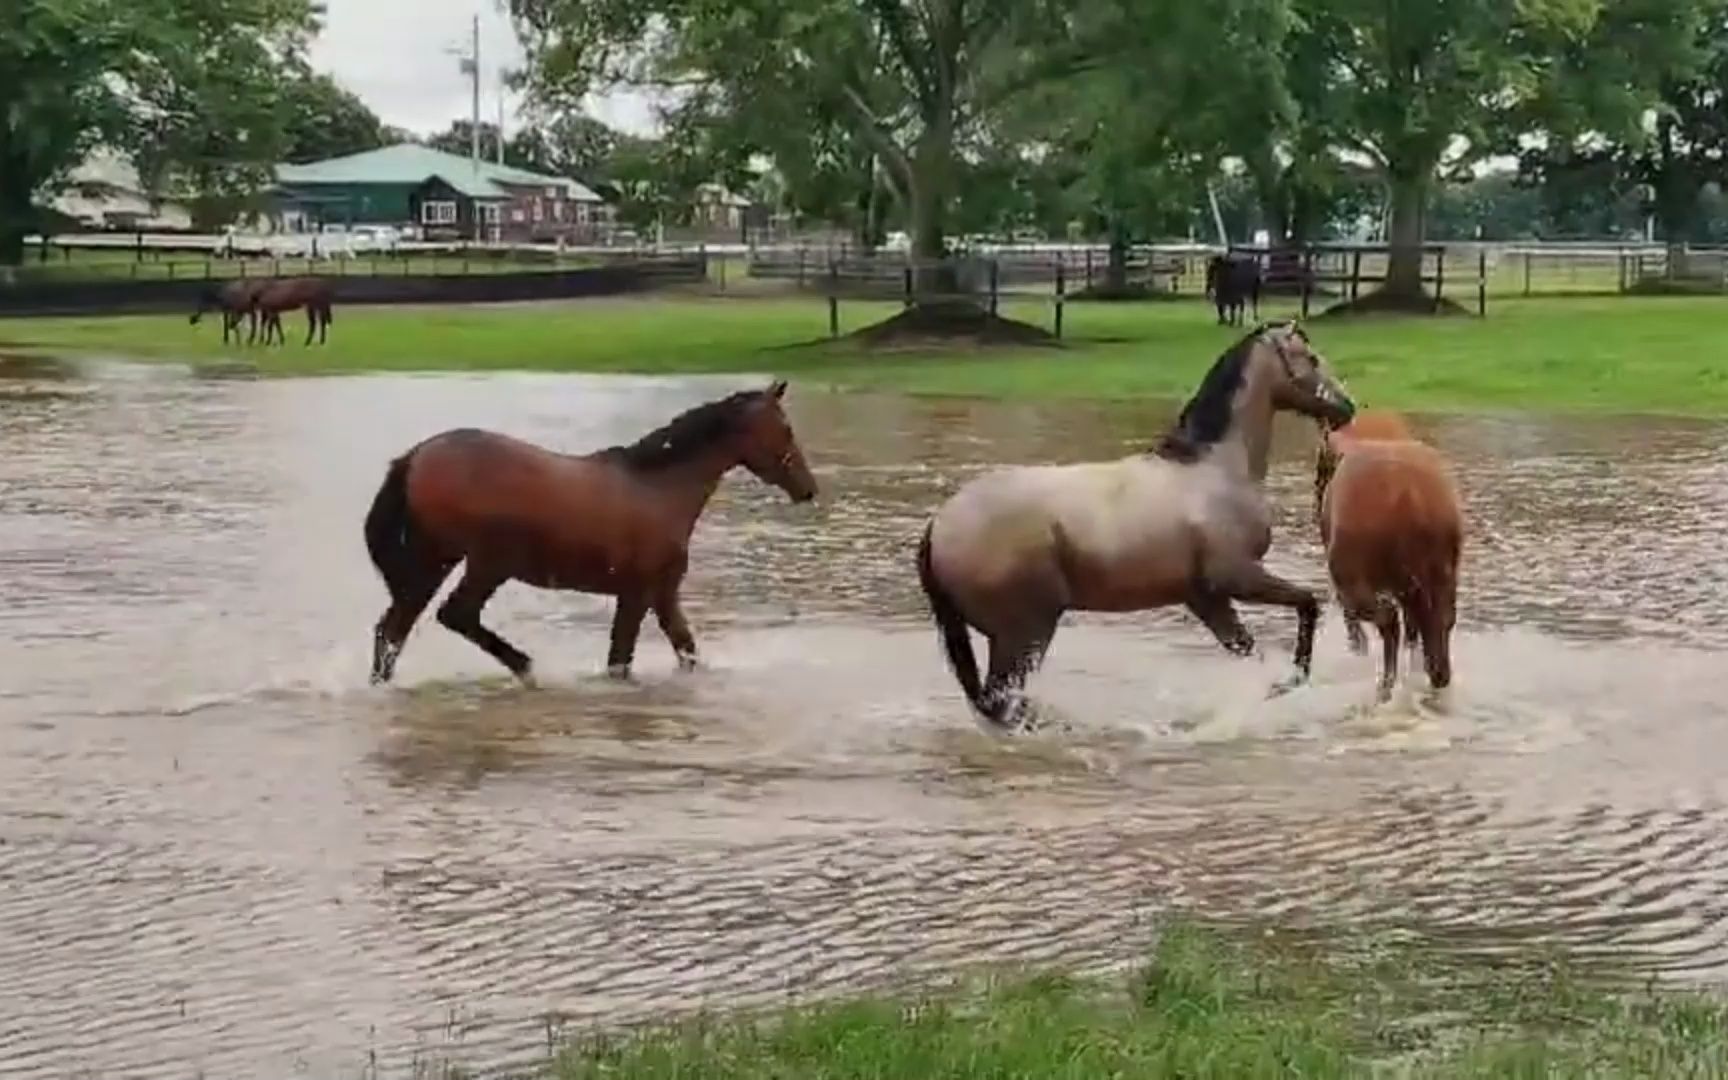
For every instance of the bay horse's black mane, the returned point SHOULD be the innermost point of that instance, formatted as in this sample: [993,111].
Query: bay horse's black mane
[686,435]
[1205,420]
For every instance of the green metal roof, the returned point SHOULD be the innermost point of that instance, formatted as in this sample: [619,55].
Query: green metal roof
[411,163]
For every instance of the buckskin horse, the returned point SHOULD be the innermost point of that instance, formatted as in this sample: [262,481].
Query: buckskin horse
[235,301]
[616,522]
[1230,281]
[315,294]
[1389,519]
[1185,523]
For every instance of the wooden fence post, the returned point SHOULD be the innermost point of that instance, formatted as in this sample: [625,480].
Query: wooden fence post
[995,274]
[1307,279]
[1355,274]
[907,299]
[1061,289]
[1482,282]
[1439,277]
[1528,257]
[833,299]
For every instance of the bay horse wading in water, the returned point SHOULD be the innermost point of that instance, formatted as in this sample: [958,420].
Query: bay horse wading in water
[1230,282]
[615,522]
[1389,519]
[1185,523]
[235,301]
[315,294]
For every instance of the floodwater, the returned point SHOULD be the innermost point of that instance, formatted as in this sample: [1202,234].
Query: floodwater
[222,853]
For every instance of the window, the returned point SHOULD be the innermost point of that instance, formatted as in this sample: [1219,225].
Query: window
[438,212]
[551,191]
[539,209]
[516,214]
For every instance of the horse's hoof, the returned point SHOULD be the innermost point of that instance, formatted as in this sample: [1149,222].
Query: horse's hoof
[687,661]
[621,672]
[526,678]
[1294,680]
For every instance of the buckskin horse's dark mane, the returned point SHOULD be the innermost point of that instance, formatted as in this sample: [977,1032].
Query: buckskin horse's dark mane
[685,435]
[1205,420]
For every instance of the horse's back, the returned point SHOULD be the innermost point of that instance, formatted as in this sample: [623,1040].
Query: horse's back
[1083,522]
[1393,493]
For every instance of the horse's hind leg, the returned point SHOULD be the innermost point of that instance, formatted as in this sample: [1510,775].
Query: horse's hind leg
[1386,621]
[311,324]
[411,590]
[1013,658]
[460,613]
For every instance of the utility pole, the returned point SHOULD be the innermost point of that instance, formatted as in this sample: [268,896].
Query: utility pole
[500,116]
[474,134]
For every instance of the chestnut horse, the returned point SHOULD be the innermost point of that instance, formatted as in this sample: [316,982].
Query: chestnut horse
[1186,523]
[616,522]
[235,301]
[285,294]
[1390,521]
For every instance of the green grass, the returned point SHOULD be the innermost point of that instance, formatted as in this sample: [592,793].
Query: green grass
[1213,1002]
[1667,355]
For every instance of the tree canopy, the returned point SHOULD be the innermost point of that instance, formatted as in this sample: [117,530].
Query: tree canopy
[191,86]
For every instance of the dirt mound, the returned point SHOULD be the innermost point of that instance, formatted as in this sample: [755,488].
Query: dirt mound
[949,323]
[1383,303]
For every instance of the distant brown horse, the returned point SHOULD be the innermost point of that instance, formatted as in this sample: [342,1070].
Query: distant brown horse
[1393,530]
[616,522]
[315,294]
[235,300]
[1184,523]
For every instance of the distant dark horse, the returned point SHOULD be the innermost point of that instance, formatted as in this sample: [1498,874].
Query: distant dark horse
[1231,281]
[235,301]
[285,294]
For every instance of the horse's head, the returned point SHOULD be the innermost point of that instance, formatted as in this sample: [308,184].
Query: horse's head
[769,448]
[206,300]
[1302,382]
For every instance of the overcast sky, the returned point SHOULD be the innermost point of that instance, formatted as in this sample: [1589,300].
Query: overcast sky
[398,55]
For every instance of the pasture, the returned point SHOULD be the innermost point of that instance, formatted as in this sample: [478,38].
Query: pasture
[455,869]
[1619,354]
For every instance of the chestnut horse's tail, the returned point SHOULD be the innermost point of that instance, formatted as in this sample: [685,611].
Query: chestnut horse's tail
[956,638]
[389,525]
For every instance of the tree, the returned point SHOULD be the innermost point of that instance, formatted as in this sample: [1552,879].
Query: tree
[912,78]
[190,82]
[1421,87]
[1666,162]
[322,119]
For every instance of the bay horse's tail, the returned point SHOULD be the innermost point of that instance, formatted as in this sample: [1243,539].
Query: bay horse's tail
[388,527]
[956,638]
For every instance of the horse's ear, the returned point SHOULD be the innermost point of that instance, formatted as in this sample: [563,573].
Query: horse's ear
[778,390]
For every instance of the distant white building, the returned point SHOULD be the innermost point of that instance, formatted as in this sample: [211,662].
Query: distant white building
[104,192]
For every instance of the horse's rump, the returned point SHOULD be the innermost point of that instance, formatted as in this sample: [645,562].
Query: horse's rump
[1392,520]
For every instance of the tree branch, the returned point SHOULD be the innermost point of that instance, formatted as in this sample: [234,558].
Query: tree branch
[893,154]
[893,19]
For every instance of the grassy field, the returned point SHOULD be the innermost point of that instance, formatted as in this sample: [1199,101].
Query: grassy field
[1214,1002]
[1622,353]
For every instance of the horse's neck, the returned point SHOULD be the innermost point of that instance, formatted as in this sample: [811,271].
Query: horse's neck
[692,484]
[1247,447]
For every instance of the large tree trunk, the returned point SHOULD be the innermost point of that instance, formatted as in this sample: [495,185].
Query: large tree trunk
[17,215]
[932,163]
[1409,194]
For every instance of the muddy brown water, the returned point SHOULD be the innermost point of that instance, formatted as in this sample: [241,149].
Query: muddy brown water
[222,853]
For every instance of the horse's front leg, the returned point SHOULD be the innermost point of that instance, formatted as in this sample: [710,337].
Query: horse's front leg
[670,614]
[1218,614]
[626,627]
[1252,583]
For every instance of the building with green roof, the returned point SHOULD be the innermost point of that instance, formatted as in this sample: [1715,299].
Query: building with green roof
[447,196]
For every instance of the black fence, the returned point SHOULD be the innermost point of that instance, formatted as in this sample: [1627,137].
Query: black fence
[122,296]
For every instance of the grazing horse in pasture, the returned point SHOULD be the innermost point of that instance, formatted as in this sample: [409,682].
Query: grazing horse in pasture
[1184,523]
[235,300]
[1231,281]
[315,294]
[616,522]
[1390,521]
